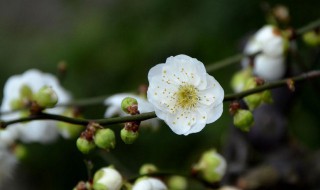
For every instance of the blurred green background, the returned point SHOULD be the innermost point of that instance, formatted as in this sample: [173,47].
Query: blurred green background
[109,46]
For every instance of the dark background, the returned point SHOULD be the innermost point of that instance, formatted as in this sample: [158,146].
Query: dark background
[109,47]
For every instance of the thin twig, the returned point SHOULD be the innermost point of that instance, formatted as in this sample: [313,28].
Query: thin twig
[149,115]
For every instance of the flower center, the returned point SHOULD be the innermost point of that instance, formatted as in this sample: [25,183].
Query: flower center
[187,96]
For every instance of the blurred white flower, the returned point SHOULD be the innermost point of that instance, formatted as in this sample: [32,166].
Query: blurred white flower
[34,131]
[8,161]
[149,183]
[184,95]
[114,107]
[107,178]
[270,63]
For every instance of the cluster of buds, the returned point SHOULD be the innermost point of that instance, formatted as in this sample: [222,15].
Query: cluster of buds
[45,97]
[255,100]
[130,131]
[96,135]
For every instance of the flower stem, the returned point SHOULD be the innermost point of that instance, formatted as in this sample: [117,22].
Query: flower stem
[149,115]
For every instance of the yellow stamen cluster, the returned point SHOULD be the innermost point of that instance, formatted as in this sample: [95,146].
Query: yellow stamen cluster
[187,97]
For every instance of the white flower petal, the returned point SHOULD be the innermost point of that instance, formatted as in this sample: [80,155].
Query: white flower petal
[149,183]
[182,121]
[269,68]
[214,113]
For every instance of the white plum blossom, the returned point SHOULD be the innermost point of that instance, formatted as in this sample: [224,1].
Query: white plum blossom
[114,107]
[149,183]
[184,95]
[107,178]
[34,131]
[269,64]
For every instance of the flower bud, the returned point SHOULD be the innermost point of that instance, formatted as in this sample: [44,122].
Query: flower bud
[16,104]
[84,145]
[147,169]
[177,183]
[149,183]
[25,92]
[253,101]
[239,79]
[105,139]
[107,179]
[243,119]
[46,97]
[128,136]
[129,105]
[311,38]
[211,167]
[267,96]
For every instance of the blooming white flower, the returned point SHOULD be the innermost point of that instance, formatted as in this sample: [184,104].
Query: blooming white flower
[184,95]
[8,161]
[149,183]
[107,178]
[114,107]
[34,131]
[270,63]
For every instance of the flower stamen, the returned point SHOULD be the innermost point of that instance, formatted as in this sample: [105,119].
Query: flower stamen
[187,97]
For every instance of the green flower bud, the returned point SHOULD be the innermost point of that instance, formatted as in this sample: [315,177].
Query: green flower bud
[128,136]
[128,102]
[253,101]
[107,179]
[16,104]
[239,79]
[243,119]
[105,138]
[211,167]
[84,145]
[46,97]
[311,38]
[26,92]
[147,169]
[177,183]
[267,96]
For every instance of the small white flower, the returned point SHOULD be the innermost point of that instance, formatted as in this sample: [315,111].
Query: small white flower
[34,131]
[114,107]
[270,63]
[184,95]
[107,178]
[8,161]
[149,183]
